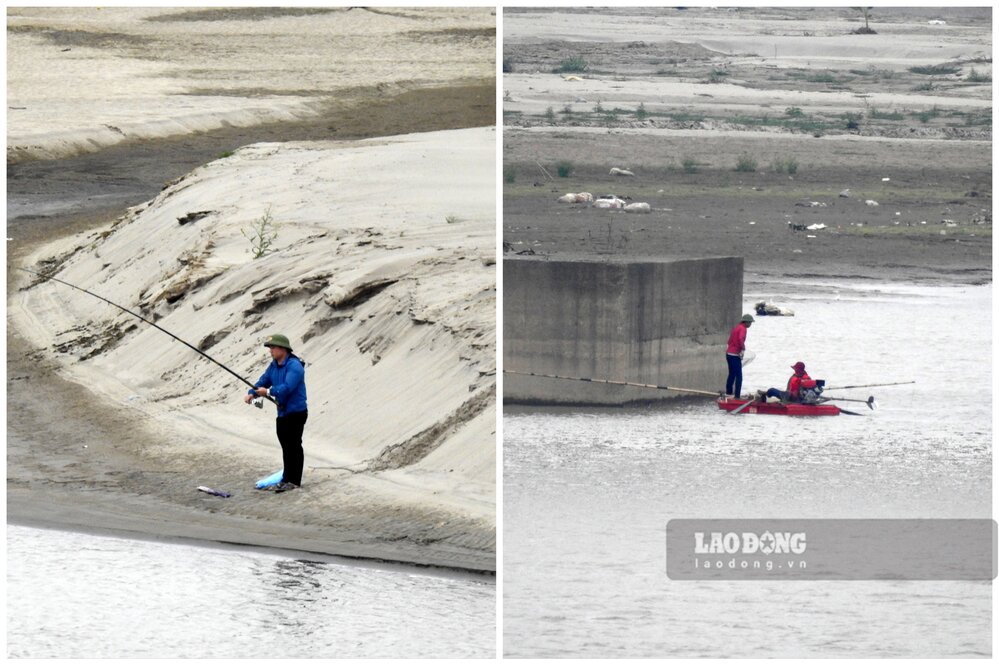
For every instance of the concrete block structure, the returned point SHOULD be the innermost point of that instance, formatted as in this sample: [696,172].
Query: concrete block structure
[662,322]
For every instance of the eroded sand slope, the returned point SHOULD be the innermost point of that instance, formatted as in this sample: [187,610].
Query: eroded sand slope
[383,277]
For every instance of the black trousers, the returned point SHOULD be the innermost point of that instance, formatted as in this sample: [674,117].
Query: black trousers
[733,385]
[289,433]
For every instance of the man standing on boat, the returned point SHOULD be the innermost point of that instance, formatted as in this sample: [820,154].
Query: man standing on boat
[284,381]
[733,355]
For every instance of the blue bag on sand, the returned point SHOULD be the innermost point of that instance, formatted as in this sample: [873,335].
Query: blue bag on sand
[271,480]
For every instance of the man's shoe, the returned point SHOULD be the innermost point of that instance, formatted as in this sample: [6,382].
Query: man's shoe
[283,486]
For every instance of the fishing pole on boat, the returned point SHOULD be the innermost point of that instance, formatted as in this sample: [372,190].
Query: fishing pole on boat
[154,325]
[713,394]
[841,388]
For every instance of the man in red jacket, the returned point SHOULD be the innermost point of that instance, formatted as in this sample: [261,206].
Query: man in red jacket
[800,381]
[733,355]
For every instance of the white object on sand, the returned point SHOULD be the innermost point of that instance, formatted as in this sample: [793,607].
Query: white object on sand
[638,208]
[815,227]
[871,202]
[620,172]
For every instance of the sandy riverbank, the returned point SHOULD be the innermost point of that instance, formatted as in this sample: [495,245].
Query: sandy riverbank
[384,280]
[388,288]
[681,98]
[83,79]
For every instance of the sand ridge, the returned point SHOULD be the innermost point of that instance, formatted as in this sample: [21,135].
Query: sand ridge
[385,283]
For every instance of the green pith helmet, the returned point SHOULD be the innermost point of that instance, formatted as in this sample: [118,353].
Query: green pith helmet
[278,340]
[747,318]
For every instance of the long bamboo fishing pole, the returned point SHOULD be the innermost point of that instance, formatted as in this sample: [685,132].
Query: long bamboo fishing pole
[151,323]
[714,394]
[841,388]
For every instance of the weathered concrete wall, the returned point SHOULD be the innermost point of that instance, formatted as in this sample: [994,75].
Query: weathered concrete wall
[652,322]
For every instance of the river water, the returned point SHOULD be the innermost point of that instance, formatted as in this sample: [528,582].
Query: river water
[80,595]
[588,492]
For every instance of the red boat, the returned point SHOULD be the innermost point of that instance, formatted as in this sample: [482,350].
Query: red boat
[786,409]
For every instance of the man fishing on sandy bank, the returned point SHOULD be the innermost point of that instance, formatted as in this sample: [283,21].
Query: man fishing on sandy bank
[284,381]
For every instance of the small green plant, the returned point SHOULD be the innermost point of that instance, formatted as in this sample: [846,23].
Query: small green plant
[509,173]
[598,107]
[263,233]
[689,165]
[573,64]
[550,114]
[640,112]
[794,112]
[229,153]
[852,121]
[564,169]
[451,219]
[978,77]
[923,87]
[745,163]
[567,110]
[791,165]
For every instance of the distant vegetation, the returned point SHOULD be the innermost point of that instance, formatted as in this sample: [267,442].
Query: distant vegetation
[935,70]
[574,64]
[745,163]
[564,169]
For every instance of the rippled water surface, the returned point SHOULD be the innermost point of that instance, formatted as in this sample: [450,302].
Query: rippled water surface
[79,595]
[588,493]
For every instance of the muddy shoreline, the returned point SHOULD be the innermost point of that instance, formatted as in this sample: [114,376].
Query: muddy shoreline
[77,462]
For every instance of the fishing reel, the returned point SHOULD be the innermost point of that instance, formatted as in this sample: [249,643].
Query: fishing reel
[258,402]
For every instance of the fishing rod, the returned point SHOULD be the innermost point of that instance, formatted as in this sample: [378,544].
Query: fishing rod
[151,323]
[621,383]
[840,388]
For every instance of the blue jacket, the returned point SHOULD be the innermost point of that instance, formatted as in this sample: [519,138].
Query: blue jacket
[287,385]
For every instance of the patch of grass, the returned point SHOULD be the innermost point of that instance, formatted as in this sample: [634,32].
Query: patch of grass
[821,77]
[924,87]
[640,112]
[575,64]
[934,70]
[550,114]
[978,77]
[687,117]
[927,115]
[564,168]
[689,165]
[225,154]
[851,121]
[451,219]
[794,112]
[717,76]
[509,173]
[745,163]
[875,114]
[788,164]
[567,110]
[598,107]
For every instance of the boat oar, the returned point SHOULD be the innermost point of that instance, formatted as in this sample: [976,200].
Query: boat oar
[741,407]
[713,394]
[869,402]
[841,388]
